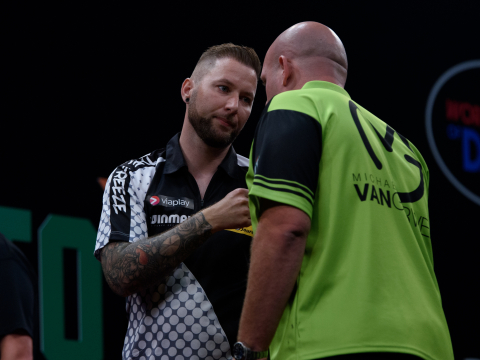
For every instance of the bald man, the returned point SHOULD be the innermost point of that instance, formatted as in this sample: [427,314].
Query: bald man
[341,261]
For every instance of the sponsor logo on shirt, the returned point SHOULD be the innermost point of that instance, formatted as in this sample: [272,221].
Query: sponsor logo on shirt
[154,200]
[169,201]
[245,231]
[384,193]
[168,219]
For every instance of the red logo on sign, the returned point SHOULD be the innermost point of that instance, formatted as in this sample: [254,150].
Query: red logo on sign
[468,113]
[154,200]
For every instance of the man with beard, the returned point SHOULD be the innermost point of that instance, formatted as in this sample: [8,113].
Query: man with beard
[180,280]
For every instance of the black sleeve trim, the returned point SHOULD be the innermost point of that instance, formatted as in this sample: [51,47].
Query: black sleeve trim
[280,182]
[119,235]
[284,190]
[120,211]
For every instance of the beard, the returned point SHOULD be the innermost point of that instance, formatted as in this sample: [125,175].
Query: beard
[205,129]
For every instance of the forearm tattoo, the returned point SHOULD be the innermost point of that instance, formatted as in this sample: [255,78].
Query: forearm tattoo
[132,267]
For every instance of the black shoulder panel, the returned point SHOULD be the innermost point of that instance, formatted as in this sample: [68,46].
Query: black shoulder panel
[288,146]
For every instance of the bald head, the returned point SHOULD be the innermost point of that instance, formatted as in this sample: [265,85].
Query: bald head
[313,50]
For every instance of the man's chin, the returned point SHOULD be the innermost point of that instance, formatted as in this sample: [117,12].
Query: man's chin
[217,143]
[213,133]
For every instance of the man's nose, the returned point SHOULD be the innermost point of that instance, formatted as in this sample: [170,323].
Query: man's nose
[232,103]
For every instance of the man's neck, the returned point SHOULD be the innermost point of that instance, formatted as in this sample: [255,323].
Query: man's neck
[202,160]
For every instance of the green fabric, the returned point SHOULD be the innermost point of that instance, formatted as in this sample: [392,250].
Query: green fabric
[367,282]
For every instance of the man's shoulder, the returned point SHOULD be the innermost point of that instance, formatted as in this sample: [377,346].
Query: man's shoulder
[136,169]
[381,125]
[299,101]
[150,160]
[290,100]
[305,99]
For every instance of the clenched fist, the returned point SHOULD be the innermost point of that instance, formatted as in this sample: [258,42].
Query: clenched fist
[231,212]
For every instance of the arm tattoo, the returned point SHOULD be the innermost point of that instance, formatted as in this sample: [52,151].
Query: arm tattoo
[132,267]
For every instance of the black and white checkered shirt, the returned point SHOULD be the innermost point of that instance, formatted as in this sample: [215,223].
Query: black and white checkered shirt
[194,312]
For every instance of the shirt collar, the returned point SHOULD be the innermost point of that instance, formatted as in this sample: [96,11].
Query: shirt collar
[230,164]
[325,85]
[175,160]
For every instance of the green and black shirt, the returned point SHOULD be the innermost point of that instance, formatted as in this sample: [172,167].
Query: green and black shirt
[367,282]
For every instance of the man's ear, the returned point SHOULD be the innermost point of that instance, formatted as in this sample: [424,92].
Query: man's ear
[286,67]
[187,88]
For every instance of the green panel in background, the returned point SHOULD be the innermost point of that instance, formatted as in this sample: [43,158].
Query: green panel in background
[56,233]
[16,224]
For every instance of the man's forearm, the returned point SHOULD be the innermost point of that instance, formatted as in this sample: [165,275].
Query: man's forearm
[276,258]
[131,267]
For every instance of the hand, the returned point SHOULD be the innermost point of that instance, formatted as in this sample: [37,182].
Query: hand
[231,212]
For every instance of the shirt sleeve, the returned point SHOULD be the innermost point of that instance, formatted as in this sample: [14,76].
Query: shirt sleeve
[17,300]
[285,158]
[123,217]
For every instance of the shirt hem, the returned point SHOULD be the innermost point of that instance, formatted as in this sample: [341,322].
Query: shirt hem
[363,349]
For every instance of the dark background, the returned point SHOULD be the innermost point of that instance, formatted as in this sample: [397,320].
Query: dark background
[90,85]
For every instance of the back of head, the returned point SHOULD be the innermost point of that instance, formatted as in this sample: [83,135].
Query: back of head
[316,51]
[242,54]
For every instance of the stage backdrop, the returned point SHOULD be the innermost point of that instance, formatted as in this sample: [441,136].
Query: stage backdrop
[91,85]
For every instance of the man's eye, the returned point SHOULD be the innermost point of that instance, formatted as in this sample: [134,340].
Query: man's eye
[223,88]
[247,100]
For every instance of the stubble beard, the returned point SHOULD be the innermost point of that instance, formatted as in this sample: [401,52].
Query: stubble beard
[205,129]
